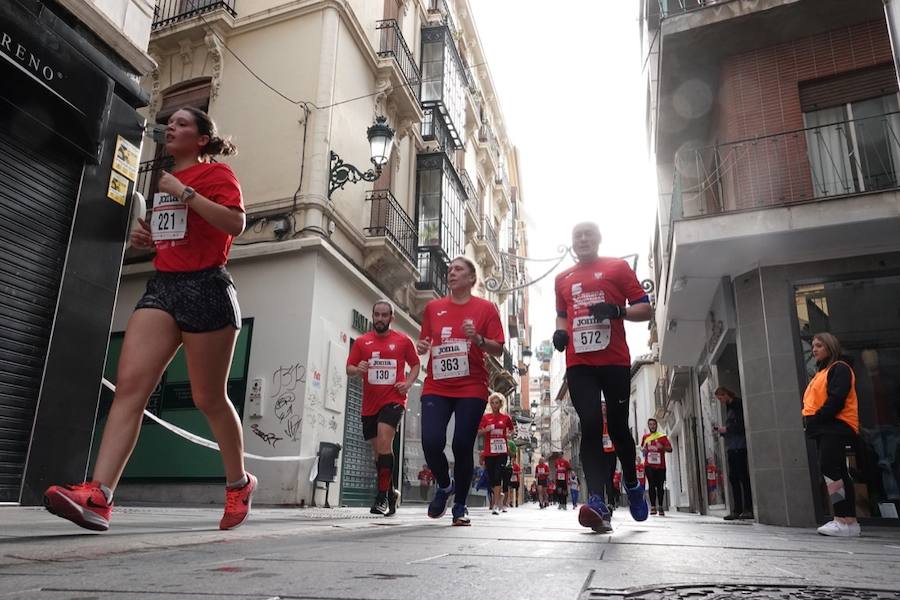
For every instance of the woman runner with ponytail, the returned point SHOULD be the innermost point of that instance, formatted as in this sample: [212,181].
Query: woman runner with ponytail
[190,301]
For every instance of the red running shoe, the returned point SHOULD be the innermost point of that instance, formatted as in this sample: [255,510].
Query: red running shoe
[84,504]
[237,504]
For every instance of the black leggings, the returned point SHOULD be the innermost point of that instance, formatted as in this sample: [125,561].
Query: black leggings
[586,383]
[833,464]
[436,413]
[494,467]
[656,480]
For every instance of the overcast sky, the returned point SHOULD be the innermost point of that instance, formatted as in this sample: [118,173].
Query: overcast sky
[568,77]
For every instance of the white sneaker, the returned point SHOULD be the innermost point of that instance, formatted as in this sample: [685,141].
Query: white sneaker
[503,509]
[837,529]
[494,511]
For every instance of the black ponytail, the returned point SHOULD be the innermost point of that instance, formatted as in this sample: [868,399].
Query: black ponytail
[217,146]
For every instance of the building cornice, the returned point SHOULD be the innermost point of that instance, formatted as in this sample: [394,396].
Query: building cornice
[110,33]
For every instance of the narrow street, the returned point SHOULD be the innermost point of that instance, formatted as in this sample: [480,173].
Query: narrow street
[346,554]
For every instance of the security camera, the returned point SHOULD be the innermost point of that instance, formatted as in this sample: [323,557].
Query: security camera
[280,227]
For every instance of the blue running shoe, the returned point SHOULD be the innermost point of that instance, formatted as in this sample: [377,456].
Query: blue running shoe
[595,515]
[637,502]
[438,506]
[461,515]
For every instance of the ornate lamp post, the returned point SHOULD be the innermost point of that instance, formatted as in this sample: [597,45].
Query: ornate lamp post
[381,140]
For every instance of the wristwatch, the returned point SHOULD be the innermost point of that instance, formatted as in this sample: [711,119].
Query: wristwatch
[187,194]
[481,341]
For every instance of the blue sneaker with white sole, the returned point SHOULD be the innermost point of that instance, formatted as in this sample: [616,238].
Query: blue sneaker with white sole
[438,505]
[595,515]
[637,502]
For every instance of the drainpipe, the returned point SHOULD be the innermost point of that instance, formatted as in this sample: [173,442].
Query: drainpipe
[892,15]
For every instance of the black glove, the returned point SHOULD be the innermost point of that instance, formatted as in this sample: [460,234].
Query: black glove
[604,310]
[560,340]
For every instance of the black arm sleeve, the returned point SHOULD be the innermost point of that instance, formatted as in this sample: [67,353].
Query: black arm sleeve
[839,379]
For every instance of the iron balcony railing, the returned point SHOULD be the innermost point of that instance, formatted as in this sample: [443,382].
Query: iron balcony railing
[471,195]
[434,128]
[838,159]
[388,219]
[148,176]
[502,179]
[486,136]
[167,12]
[674,7]
[393,44]
[433,270]
[489,234]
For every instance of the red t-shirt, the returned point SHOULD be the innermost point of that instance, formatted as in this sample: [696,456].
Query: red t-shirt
[639,468]
[387,356]
[654,452]
[425,477]
[551,486]
[601,280]
[203,246]
[617,480]
[495,440]
[542,471]
[456,368]
[562,469]
[516,471]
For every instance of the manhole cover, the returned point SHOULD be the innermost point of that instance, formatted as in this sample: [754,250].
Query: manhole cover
[741,592]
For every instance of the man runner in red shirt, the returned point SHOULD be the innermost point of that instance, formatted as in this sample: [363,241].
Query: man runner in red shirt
[654,446]
[591,300]
[380,357]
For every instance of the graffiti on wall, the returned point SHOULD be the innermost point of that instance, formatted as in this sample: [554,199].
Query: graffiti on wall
[285,380]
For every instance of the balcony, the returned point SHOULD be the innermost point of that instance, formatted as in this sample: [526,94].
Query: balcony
[474,207]
[839,159]
[170,12]
[432,282]
[391,242]
[398,70]
[487,252]
[501,186]
[435,129]
[439,11]
[488,148]
[820,193]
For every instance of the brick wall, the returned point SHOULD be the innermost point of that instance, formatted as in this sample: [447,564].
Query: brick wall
[759,95]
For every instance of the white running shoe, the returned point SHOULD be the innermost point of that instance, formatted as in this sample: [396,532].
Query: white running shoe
[503,509]
[494,511]
[838,529]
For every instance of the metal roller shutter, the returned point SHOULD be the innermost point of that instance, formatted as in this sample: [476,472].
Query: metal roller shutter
[358,484]
[38,191]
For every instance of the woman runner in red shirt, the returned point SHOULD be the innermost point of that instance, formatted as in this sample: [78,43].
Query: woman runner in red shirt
[189,301]
[496,426]
[457,332]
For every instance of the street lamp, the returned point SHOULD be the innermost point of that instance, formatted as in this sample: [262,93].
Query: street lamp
[381,140]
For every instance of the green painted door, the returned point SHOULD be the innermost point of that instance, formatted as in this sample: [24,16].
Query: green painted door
[160,454]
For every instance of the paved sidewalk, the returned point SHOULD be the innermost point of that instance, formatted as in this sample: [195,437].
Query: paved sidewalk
[525,554]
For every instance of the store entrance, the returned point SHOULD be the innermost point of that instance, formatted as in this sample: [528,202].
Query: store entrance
[857,312]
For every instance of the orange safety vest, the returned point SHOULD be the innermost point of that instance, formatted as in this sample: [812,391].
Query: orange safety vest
[817,392]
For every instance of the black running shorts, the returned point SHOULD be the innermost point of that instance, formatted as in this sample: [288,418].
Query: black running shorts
[199,301]
[389,413]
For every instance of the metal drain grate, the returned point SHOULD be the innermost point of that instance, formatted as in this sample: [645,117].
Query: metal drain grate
[740,592]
